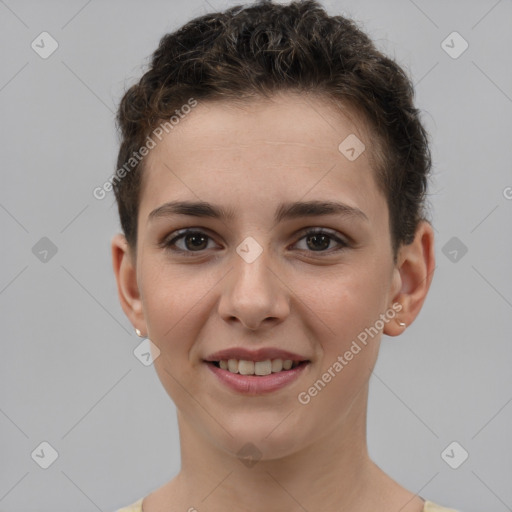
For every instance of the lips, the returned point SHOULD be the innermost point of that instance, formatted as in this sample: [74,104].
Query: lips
[255,384]
[261,354]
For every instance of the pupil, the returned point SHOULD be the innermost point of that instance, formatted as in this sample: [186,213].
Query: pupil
[324,238]
[199,240]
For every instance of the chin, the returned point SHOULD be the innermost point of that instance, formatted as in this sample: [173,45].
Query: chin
[264,441]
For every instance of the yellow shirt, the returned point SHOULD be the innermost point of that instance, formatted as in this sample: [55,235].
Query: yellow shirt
[429,507]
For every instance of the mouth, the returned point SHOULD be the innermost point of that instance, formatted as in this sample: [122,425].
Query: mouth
[257,377]
[257,368]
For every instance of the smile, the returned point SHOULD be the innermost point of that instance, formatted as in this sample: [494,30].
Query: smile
[257,377]
[245,367]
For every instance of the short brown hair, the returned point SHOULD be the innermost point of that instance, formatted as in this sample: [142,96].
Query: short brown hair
[258,50]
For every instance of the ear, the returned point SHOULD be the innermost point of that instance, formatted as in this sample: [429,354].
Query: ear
[412,277]
[123,262]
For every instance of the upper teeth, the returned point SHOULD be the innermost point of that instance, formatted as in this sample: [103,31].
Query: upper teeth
[267,367]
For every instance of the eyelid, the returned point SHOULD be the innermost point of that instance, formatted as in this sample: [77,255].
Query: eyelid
[311,231]
[179,234]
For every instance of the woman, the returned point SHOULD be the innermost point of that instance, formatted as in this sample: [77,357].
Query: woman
[271,184]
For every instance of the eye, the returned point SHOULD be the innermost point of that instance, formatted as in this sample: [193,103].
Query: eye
[318,240]
[192,240]
[189,241]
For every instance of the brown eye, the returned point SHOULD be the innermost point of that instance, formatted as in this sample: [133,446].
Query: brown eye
[188,241]
[319,241]
[195,241]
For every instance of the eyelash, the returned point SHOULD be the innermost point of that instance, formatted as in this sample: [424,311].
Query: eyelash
[167,244]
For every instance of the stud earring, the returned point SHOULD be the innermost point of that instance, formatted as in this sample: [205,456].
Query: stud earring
[138,333]
[401,324]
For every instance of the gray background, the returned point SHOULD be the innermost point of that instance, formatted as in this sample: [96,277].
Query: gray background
[68,373]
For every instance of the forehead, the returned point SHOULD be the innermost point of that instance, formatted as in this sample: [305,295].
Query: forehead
[282,148]
[289,121]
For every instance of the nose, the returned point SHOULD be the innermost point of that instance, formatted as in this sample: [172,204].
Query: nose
[255,296]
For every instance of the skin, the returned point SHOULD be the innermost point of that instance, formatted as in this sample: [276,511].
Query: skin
[251,159]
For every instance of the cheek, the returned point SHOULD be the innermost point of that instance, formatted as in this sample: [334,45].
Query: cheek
[346,299]
[172,304]
[171,299]
[349,305]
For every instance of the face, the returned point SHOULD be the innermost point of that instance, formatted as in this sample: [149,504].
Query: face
[256,279]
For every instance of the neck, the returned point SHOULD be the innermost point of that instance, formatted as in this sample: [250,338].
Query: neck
[333,472]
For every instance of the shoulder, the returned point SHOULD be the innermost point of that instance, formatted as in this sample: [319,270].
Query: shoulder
[134,507]
[430,506]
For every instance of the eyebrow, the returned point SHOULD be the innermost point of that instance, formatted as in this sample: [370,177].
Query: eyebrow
[285,211]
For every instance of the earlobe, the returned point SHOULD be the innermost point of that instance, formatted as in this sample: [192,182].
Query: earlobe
[124,267]
[413,276]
